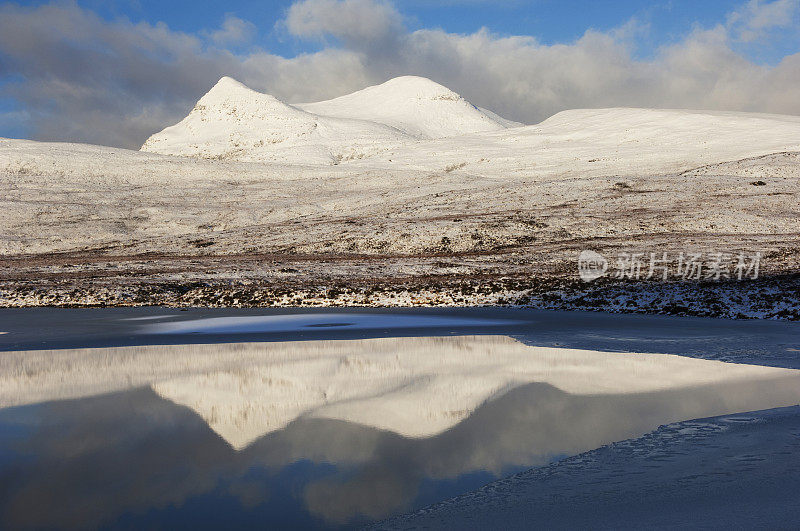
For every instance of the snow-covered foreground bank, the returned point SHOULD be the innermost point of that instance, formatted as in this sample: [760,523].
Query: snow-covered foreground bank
[412,185]
[736,471]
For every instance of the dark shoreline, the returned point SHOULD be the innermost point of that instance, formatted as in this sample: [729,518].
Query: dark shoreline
[775,296]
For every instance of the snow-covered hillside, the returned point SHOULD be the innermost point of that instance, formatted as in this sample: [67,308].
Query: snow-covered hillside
[415,123]
[564,172]
[587,174]
[234,122]
[415,105]
[617,141]
[511,201]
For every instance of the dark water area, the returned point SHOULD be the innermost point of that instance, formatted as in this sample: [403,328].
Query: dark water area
[174,454]
[136,461]
[773,343]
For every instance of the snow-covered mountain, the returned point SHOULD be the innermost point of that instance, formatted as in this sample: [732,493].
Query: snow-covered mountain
[415,105]
[614,141]
[235,122]
[403,190]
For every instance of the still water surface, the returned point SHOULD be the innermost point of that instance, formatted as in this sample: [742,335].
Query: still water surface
[336,419]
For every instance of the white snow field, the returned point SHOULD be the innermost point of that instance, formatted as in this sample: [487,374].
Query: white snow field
[416,387]
[403,169]
[604,172]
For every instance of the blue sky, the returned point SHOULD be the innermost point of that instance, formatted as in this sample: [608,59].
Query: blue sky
[76,69]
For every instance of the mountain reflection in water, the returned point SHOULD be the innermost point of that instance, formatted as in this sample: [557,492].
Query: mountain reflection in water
[326,433]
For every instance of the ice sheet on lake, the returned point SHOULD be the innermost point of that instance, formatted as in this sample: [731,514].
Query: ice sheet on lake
[299,322]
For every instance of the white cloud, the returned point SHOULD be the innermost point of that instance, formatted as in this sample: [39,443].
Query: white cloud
[91,80]
[756,18]
[234,31]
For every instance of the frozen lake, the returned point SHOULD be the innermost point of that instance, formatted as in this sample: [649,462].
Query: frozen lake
[161,418]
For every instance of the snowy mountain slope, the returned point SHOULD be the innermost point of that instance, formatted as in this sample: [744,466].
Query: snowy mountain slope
[616,141]
[415,123]
[415,105]
[234,122]
[509,124]
[401,198]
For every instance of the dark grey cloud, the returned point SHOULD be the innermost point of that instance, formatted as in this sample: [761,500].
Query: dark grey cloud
[82,78]
[359,24]
[85,79]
